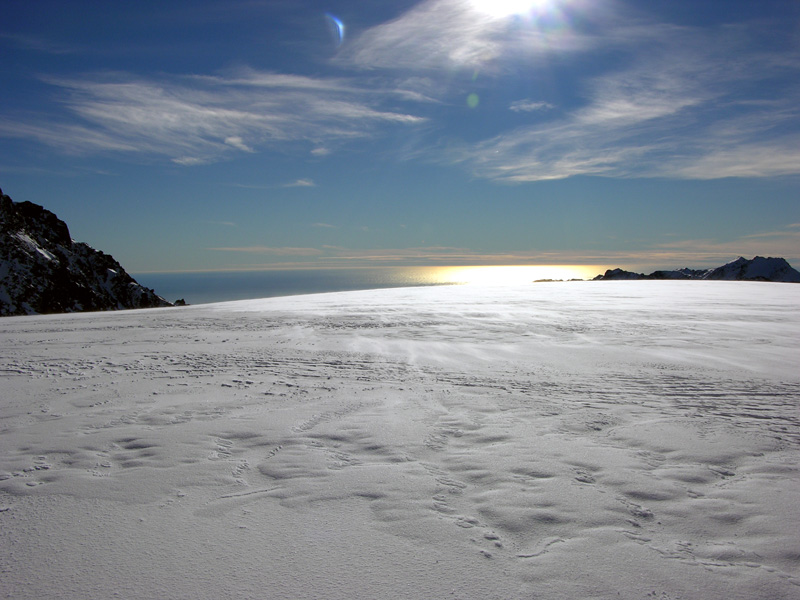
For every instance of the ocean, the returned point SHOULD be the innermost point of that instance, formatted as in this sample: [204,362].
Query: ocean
[222,286]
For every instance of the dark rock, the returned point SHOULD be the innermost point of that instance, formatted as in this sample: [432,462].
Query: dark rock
[757,269]
[741,269]
[42,270]
[619,274]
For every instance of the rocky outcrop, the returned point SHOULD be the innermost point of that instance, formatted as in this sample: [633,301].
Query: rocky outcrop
[617,274]
[741,269]
[42,270]
[757,269]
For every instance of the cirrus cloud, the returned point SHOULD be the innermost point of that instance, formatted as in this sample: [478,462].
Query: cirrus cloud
[683,113]
[196,120]
[301,183]
[271,250]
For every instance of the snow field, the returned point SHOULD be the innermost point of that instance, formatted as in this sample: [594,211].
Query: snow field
[553,441]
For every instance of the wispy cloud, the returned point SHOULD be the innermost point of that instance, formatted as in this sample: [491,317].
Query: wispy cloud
[272,251]
[529,106]
[301,183]
[38,44]
[305,182]
[420,256]
[68,138]
[710,251]
[695,253]
[455,34]
[236,141]
[684,112]
[682,109]
[195,120]
[674,104]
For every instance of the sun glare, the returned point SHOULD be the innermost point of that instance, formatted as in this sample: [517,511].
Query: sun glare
[507,8]
[515,275]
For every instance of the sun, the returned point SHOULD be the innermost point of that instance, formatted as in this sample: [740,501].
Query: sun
[508,8]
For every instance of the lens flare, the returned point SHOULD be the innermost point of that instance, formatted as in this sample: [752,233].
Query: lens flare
[336,28]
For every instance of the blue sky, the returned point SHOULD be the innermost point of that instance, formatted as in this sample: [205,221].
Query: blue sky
[290,133]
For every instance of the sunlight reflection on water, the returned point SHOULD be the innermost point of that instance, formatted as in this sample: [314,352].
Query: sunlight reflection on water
[220,286]
[513,275]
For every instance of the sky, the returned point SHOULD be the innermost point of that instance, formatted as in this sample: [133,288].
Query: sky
[245,134]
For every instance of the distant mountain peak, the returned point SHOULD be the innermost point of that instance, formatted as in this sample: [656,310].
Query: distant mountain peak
[43,270]
[758,268]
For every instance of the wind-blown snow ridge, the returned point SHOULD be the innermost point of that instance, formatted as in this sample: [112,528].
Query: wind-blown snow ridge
[741,269]
[42,270]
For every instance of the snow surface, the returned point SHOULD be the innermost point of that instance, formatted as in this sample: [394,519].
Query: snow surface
[554,441]
[33,246]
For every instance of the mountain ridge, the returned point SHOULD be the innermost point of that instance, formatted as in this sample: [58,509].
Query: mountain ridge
[759,268]
[44,271]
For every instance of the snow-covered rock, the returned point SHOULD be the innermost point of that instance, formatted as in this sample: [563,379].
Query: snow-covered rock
[741,269]
[758,269]
[42,270]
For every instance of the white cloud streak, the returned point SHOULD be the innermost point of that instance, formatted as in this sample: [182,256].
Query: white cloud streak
[684,113]
[236,141]
[529,106]
[301,183]
[695,253]
[683,103]
[203,119]
[677,103]
[272,250]
[453,34]
[785,244]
